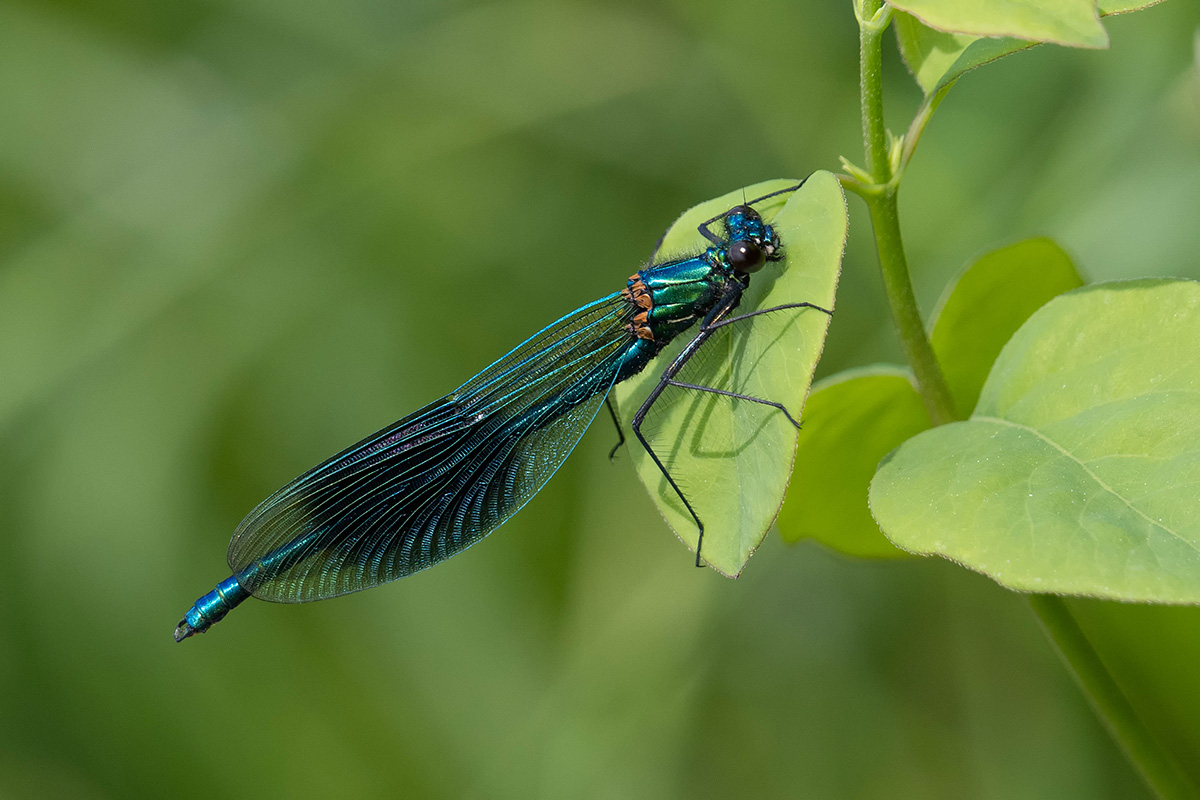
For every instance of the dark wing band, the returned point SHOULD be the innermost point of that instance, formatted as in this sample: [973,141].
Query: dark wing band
[439,480]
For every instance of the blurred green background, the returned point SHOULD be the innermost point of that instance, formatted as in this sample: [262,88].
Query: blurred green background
[235,237]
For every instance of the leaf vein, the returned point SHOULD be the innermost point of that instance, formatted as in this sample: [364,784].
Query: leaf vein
[1092,475]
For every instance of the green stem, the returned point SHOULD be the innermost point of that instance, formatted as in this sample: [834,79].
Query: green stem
[1157,768]
[878,187]
[870,82]
[885,219]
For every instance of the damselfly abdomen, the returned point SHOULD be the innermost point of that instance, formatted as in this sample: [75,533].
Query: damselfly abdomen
[442,478]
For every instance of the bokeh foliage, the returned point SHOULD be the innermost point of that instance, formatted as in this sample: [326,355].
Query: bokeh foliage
[235,237]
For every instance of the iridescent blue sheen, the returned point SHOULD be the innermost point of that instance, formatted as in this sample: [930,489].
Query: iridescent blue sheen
[442,478]
[212,607]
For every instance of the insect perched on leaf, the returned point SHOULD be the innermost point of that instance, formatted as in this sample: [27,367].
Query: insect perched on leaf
[440,479]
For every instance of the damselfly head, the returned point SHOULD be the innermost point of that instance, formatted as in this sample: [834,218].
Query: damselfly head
[752,242]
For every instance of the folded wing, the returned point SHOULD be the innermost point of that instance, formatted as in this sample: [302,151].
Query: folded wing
[439,480]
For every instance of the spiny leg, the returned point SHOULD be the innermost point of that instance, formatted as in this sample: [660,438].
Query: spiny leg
[712,237]
[778,192]
[703,228]
[620,433]
[636,425]
[738,396]
[762,311]
[668,375]
[709,325]
[720,323]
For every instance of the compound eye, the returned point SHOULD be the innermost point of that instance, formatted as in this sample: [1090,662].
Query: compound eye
[746,256]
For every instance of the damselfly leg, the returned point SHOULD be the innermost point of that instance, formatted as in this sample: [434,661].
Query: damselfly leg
[706,231]
[715,321]
[761,311]
[612,412]
[737,396]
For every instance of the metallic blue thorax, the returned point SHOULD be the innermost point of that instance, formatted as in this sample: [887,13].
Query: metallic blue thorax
[674,295]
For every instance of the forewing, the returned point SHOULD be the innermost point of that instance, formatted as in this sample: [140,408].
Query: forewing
[442,478]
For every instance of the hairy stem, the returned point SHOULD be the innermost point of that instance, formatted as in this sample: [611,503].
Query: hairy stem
[890,247]
[870,82]
[1157,768]
[885,220]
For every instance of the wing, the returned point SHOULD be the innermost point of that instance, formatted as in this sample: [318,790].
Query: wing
[439,480]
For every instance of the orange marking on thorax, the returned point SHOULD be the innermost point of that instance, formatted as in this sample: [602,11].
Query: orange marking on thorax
[638,295]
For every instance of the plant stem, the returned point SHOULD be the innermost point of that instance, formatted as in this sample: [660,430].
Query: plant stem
[885,219]
[890,247]
[1157,768]
[870,85]
[879,187]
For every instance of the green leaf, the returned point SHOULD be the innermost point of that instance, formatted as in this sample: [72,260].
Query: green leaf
[1107,9]
[1069,22]
[1079,472]
[733,458]
[930,54]
[856,418]
[937,57]
[987,302]
[853,419]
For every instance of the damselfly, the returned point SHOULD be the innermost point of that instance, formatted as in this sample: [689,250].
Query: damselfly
[439,480]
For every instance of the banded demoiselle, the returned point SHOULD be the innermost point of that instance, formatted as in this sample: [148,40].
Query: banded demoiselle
[440,479]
